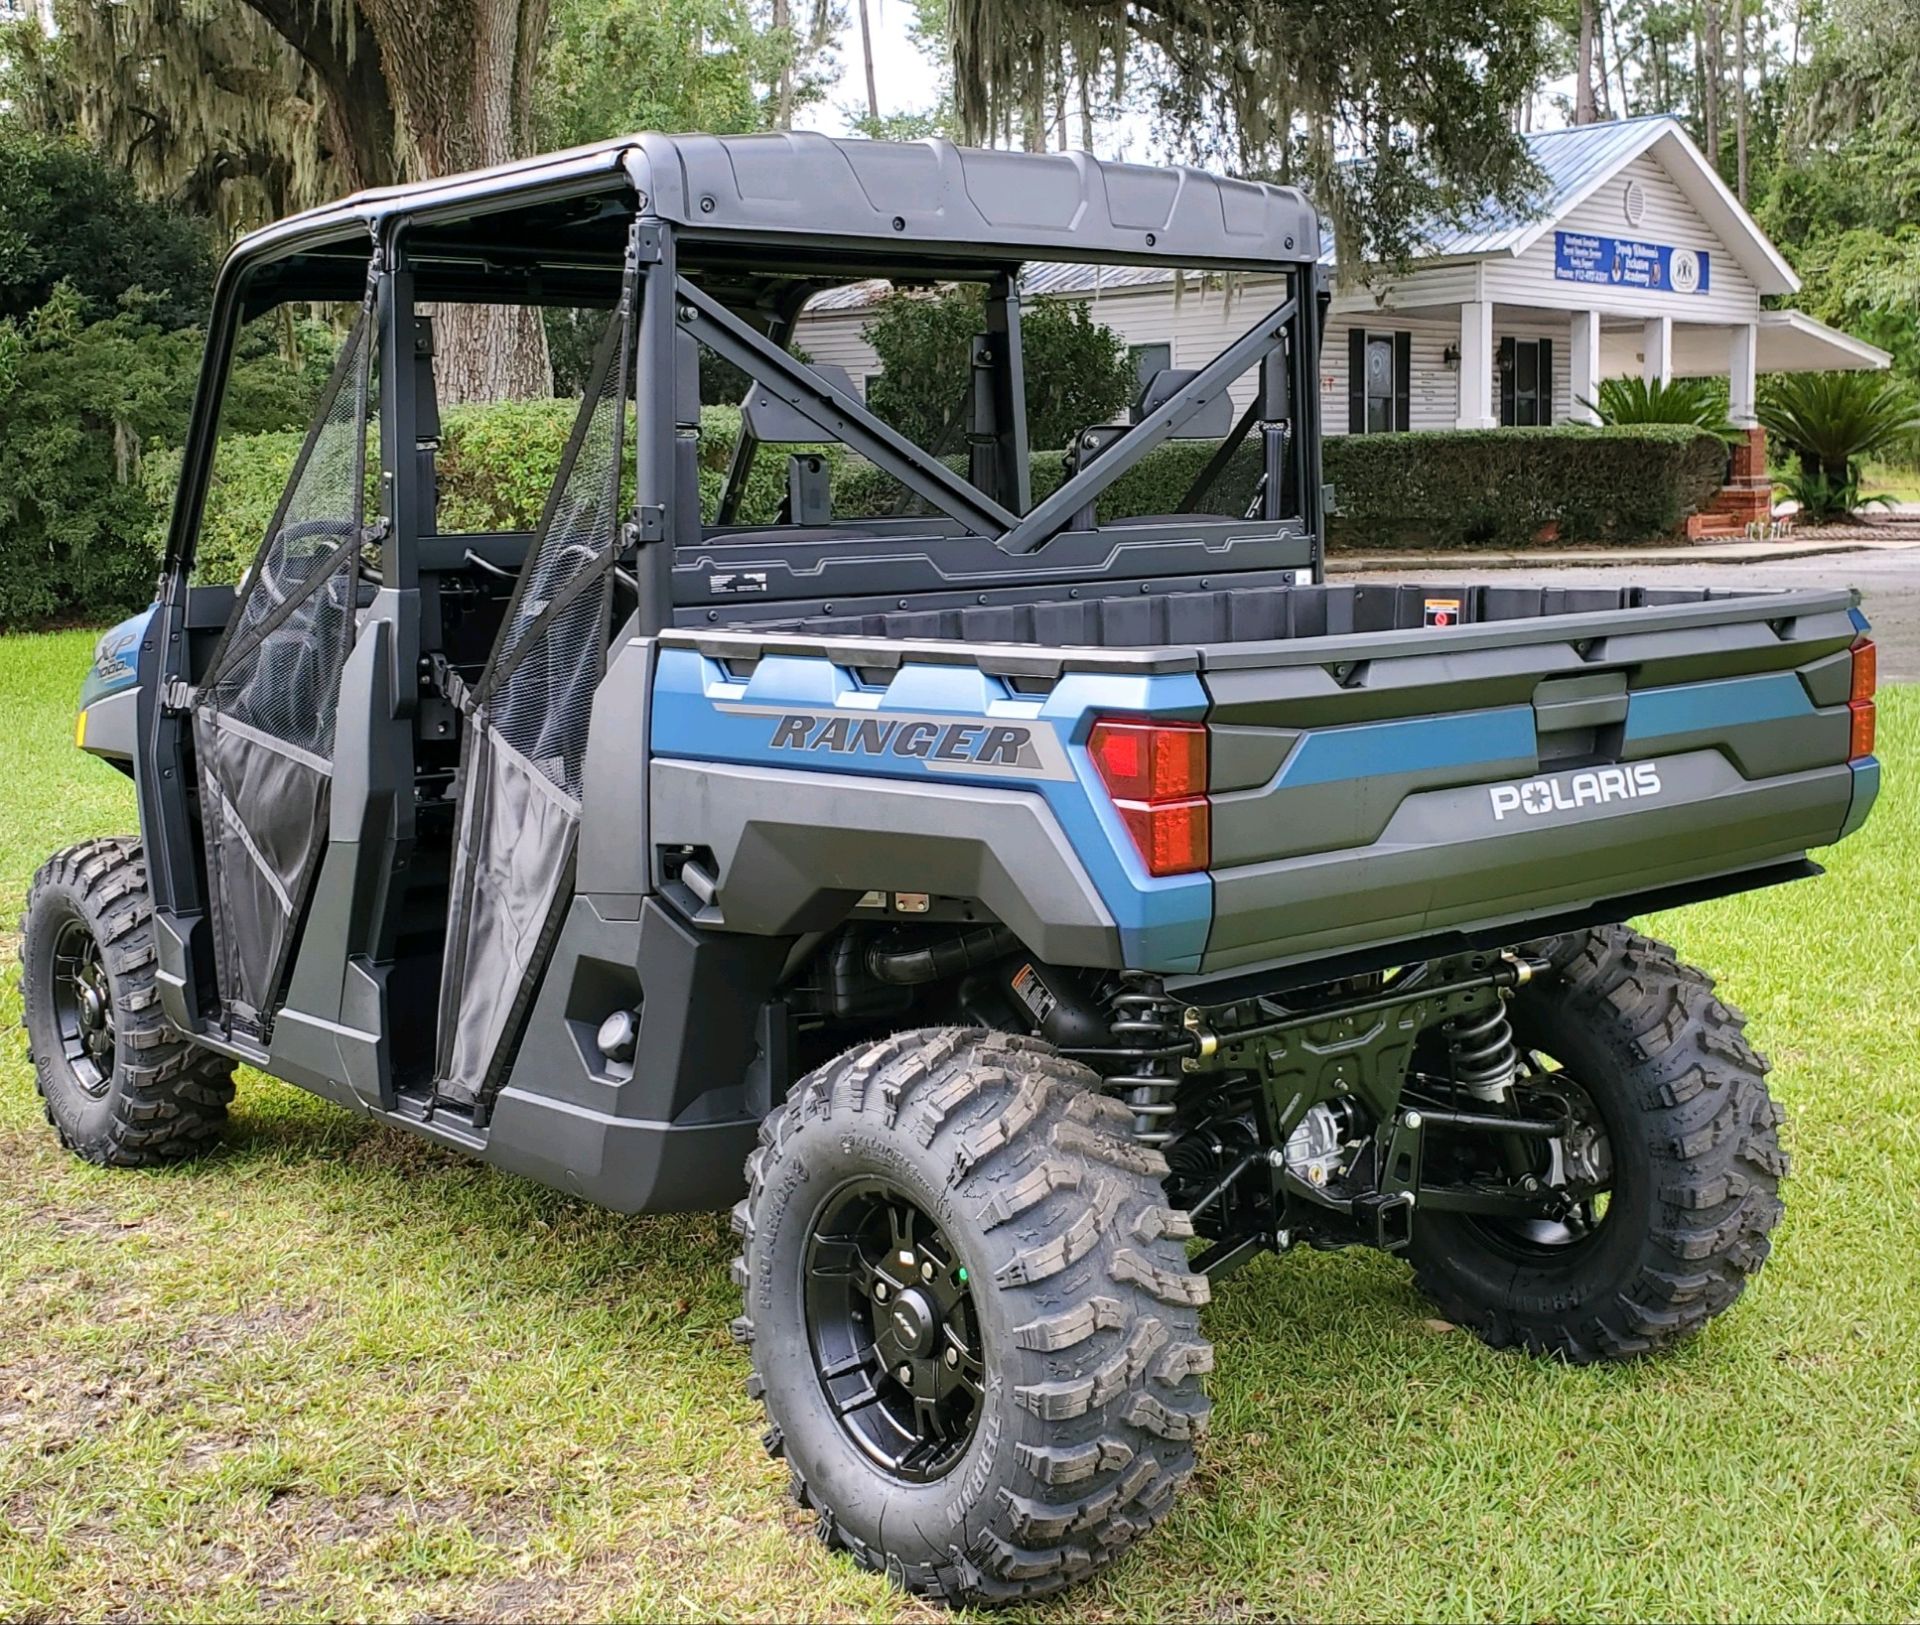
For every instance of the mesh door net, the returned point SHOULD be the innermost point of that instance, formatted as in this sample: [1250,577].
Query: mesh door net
[263,719]
[526,743]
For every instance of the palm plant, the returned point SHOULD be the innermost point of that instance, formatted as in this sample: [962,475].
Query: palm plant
[1822,500]
[1695,401]
[1830,421]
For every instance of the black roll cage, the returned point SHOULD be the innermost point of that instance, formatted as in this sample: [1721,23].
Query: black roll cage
[680,268]
[562,234]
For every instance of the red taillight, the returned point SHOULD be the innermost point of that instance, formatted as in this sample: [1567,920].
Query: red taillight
[1156,773]
[1150,761]
[1866,674]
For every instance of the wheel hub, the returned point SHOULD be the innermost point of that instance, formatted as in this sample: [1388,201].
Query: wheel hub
[893,1330]
[909,1325]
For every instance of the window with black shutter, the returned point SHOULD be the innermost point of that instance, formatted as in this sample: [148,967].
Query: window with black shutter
[1379,382]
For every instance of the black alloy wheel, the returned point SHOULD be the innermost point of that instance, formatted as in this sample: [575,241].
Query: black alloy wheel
[83,1008]
[1668,1176]
[891,1322]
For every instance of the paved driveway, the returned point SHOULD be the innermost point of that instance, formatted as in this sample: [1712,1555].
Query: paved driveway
[1888,578]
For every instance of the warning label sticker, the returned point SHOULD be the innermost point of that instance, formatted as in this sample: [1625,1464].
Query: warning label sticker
[1443,612]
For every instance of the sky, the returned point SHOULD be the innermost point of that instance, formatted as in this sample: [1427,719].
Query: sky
[908,82]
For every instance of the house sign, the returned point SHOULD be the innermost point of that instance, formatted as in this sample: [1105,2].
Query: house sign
[1627,262]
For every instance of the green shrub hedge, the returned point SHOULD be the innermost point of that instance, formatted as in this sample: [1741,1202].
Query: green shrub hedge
[1504,487]
[1500,487]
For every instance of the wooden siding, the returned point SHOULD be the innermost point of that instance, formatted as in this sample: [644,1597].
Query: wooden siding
[1203,322]
[1668,218]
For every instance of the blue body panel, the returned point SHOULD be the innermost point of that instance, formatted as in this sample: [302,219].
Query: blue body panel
[702,714]
[1364,749]
[1655,712]
[116,659]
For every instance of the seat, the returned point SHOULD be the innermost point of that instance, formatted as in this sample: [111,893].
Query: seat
[773,422]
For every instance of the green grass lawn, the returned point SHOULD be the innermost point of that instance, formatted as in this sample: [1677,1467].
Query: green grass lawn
[1902,484]
[332,1371]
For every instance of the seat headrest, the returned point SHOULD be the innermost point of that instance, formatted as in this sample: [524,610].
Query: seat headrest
[773,422]
[1214,421]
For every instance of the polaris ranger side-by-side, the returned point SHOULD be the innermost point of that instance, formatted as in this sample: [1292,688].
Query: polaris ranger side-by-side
[1048,911]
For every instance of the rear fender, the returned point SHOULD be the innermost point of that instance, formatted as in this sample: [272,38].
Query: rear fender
[983,784]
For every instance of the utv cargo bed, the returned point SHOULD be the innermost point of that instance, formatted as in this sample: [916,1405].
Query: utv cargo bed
[1390,765]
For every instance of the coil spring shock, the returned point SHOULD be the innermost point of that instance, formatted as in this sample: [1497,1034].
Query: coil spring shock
[1146,1026]
[1485,1061]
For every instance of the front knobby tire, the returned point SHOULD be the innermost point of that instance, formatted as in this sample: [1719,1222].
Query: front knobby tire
[1696,1163]
[121,1086]
[1061,1386]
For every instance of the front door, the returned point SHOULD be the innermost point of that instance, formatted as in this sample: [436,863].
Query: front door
[263,717]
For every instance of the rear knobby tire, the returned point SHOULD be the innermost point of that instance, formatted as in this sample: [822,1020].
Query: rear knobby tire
[1696,1155]
[142,1094]
[1088,1314]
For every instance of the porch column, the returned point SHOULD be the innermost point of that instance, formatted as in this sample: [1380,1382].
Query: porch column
[1476,367]
[1657,350]
[1584,365]
[1743,345]
[1748,497]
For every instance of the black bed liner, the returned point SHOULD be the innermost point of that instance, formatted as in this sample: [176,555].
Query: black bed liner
[1241,615]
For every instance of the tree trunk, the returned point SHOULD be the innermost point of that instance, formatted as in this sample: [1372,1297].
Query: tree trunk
[1710,78]
[866,52]
[1583,109]
[1740,98]
[1086,113]
[345,57]
[461,76]
[1619,58]
[1603,79]
[783,101]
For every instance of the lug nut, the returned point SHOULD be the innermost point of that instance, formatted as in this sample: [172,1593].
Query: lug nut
[880,1292]
[926,1272]
[905,1374]
[953,1356]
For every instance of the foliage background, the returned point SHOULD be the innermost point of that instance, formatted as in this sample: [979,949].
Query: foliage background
[1427,489]
[1077,370]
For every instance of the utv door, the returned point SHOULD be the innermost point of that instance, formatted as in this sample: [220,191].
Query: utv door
[524,746]
[263,717]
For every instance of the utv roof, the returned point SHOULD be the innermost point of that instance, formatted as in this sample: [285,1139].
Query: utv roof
[797,188]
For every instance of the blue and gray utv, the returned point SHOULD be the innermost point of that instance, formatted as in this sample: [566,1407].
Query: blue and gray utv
[1024,915]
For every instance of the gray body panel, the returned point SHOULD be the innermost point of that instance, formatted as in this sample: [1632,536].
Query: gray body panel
[1441,863]
[797,849]
[670,1130]
[113,726]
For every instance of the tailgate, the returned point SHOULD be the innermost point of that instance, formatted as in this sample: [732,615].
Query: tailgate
[1387,786]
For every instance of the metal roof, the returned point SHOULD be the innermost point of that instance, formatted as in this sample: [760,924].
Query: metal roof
[1573,162]
[1036,277]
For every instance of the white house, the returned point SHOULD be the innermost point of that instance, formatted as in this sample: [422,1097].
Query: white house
[1636,259]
